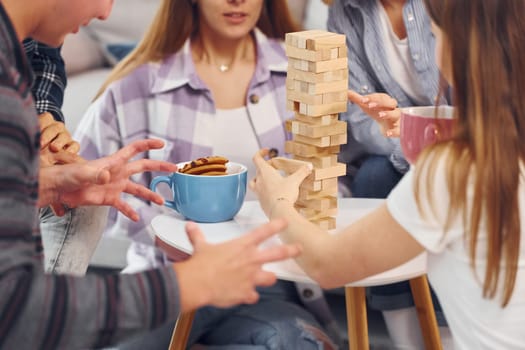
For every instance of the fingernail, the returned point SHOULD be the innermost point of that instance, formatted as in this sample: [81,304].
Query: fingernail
[372,105]
[382,114]
[365,100]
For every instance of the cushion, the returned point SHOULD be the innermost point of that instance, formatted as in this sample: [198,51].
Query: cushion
[124,27]
[81,53]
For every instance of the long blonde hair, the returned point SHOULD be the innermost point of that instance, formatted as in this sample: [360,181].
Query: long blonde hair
[486,47]
[177,20]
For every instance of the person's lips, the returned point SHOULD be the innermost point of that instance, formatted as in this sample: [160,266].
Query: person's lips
[235,17]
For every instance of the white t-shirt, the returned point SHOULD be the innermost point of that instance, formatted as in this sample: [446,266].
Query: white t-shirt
[475,322]
[399,59]
[236,140]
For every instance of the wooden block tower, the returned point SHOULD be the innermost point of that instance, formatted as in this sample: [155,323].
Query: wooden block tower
[317,85]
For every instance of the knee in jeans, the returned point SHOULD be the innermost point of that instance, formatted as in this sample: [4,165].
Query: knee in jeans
[299,335]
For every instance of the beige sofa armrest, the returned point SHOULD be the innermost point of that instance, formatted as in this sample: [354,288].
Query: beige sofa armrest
[81,53]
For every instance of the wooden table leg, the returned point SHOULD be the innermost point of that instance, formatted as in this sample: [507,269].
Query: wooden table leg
[181,332]
[356,318]
[425,312]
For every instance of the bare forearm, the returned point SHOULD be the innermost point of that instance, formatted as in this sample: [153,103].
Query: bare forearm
[315,242]
[47,193]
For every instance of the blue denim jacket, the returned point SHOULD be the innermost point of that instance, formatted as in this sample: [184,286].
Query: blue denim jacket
[369,71]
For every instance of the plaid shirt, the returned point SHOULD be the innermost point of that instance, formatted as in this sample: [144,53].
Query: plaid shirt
[169,101]
[39,311]
[50,77]
[369,71]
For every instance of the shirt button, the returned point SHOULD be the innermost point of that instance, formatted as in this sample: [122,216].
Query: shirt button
[254,98]
[308,293]
[364,89]
[410,16]
[415,56]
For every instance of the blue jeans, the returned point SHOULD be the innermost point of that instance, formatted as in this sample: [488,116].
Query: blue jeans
[375,178]
[69,241]
[277,322]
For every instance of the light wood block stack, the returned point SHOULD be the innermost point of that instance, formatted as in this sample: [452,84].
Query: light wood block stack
[317,85]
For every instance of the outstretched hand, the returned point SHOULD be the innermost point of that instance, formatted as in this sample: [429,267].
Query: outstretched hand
[102,181]
[270,185]
[380,107]
[227,274]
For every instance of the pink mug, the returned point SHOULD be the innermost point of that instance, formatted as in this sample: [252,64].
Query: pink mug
[422,126]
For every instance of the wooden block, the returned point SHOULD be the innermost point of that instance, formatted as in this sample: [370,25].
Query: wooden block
[342,51]
[323,141]
[331,97]
[310,55]
[309,195]
[334,53]
[324,161]
[339,139]
[288,125]
[324,173]
[318,185]
[298,39]
[326,98]
[320,66]
[288,165]
[311,77]
[329,108]
[320,204]
[290,83]
[327,41]
[317,120]
[292,106]
[312,214]
[325,66]
[313,56]
[290,39]
[323,88]
[303,97]
[300,64]
[304,150]
[299,128]
[327,223]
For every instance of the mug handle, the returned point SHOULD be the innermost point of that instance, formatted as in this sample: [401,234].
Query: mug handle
[431,133]
[167,180]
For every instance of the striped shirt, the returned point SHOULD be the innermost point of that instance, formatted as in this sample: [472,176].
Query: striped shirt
[369,72]
[167,100]
[39,311]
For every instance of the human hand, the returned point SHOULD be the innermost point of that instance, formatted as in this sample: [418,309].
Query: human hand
[54,135]
[101,182]
[270,185]
[56,147]
[226,274]
[380,107]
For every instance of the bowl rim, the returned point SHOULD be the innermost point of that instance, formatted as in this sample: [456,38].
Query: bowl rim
[244,169]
